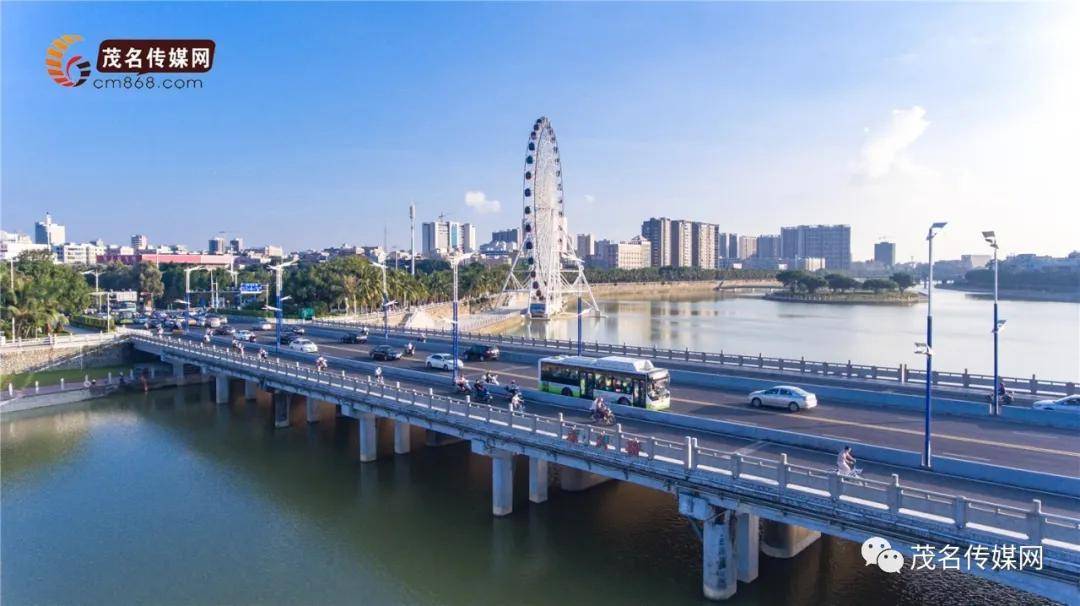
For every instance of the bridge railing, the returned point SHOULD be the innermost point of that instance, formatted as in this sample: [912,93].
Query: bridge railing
[899,373]
[61,340]
[977,518]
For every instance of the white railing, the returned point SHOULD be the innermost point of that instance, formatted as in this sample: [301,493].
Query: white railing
[900,373]
[974,518]
[62,340]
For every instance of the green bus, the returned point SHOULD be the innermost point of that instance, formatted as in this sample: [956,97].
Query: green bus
[616,379]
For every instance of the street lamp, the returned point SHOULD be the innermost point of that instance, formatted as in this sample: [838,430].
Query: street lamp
[11,261]
[278,270]
[991,239]
[927,348]
[455,260]
[97,292]
[385,302]
[187,287]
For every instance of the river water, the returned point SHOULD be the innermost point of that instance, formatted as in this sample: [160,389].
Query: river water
[1040,338]
[167,498]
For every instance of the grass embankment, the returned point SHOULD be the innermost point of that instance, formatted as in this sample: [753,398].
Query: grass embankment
[72,376]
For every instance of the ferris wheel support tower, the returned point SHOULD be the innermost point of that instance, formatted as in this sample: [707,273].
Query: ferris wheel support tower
[545,271]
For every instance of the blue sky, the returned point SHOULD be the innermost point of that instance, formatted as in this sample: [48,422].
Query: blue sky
[319,123]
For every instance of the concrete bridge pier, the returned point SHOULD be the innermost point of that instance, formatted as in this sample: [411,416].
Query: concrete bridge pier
[251,390]
[502,477]
[747,546]
[538,480]
[178,372]
[402,439]
[311,409]
[781,540]
[369,437]
[281,409]
[435,439]
[221,389]
[719,565]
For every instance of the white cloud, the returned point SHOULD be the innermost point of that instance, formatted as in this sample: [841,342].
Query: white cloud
[478,201]
[883,150]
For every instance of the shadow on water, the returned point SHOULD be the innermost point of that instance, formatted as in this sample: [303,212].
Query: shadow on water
[169,498]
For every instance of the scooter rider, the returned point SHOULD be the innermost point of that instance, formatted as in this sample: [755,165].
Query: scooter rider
[262,354]
[410,349]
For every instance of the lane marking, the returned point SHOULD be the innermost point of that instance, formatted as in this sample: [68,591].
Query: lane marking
[749,448]
[742,408]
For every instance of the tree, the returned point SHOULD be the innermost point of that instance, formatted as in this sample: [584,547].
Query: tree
[45,295]
[150,282]
[840,282]
[791,278]
[877,284]
[811,282]
[903,280]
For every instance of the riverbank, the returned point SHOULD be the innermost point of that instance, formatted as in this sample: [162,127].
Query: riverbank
[1017,294]
[851,298]
[608,289]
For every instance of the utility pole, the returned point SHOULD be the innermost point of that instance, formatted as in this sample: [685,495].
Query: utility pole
[412,238]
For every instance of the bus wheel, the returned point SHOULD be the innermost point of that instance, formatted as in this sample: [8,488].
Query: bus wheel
[624,401]
[566,391]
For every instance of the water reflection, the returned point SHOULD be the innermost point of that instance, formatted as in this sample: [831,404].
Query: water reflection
[1041,338]
[170,498]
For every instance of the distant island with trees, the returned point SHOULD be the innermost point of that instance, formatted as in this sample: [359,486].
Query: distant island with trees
[1060,283]
[804,287]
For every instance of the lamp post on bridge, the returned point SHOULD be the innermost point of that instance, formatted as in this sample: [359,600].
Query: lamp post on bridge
[278,270]
[455,260]
[991,239]
[97,291]
[187,289]
[927,348]
[386,302]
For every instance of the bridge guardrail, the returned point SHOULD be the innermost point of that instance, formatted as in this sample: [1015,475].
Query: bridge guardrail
[976,519]
[900,373]
[62,341]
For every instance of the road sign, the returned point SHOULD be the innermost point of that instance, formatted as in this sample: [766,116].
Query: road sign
[250,288]
[307,313]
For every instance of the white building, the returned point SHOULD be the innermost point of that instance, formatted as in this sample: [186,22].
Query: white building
[469,243]
[635,253]
[13,244]
[49,233]
[78,254]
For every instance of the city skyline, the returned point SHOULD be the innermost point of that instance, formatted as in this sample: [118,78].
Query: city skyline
[657,131]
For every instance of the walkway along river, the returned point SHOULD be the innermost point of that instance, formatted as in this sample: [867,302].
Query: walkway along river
[167,498]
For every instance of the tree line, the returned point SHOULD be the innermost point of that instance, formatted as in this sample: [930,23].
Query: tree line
[797,280]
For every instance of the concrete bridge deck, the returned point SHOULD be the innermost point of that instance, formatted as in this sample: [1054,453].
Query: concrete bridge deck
[715,485]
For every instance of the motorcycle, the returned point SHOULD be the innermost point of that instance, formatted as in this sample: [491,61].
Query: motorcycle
[1004,398]
[603,416]
[482,396]
[462,387]
[409,351]
[516,403]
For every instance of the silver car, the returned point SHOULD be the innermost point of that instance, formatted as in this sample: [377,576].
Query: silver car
[784,396]
[1066,404]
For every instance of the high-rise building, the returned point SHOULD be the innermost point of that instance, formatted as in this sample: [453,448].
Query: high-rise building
[510,236]
[217,245]
[727,246]
[441,237]
[236,245]
[747,247]
[830,242]
[703,249]
[586,246]
[469,243]
[140,242]
[682,243]
[885,253]
[47,232]
[658,232]
[768,247]
[632,254]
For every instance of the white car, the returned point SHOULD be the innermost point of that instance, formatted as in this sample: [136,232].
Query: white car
[245,335]
[263,325]
[1066,404]
[784,396]
[304,345]
[442,361]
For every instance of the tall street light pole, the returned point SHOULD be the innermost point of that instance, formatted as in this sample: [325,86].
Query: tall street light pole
[454,261]
[927,459]
[278,270]
[991,239]
[11,262]
[97,292]
[579,344]
[385,303]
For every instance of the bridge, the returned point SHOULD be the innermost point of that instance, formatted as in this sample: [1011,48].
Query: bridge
[729,493]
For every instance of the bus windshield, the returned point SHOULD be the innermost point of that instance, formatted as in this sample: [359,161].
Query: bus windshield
[658,385]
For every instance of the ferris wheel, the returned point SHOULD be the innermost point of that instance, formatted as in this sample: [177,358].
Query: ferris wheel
[546,253]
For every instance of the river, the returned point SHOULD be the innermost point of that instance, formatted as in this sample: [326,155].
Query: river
[1040,338]
[168,498]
